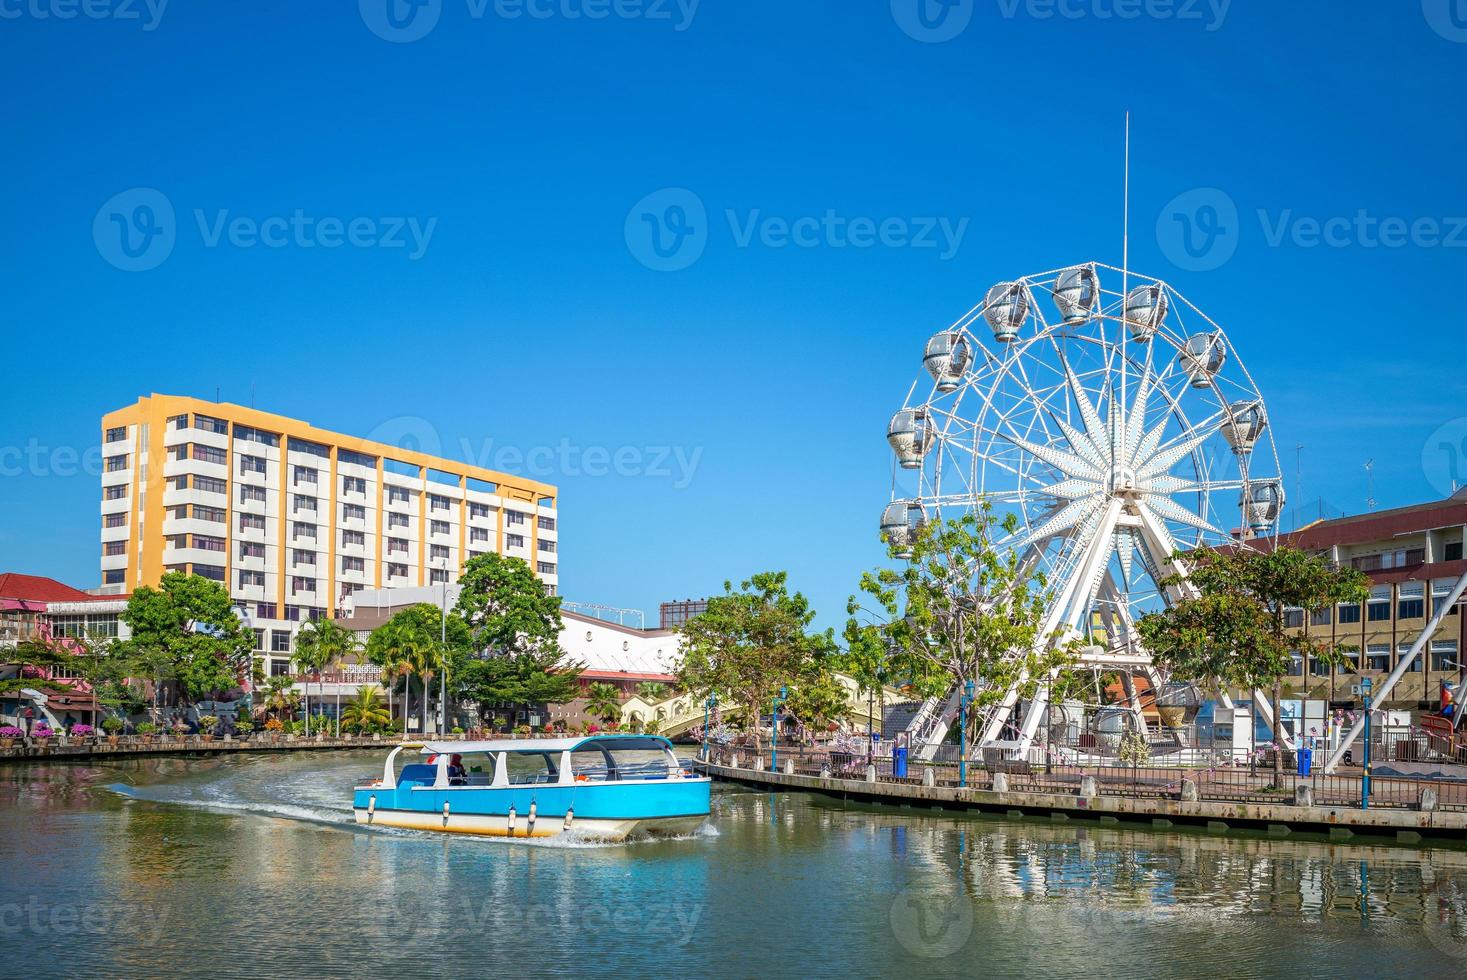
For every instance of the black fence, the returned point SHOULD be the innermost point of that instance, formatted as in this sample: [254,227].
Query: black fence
[1234,784]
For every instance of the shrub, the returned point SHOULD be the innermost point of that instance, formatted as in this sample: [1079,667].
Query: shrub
[244,726]
[83,731]
[147,728]
[274,725]
[207,723]
[42,730]
[458,730]
[10,731]
[111,725]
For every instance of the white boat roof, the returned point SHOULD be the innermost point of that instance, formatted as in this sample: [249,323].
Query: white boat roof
[539,745]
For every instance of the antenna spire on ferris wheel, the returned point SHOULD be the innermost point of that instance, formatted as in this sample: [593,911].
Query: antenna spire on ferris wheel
[1117,427]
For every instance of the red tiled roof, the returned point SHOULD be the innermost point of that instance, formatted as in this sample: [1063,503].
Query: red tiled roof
[38,588]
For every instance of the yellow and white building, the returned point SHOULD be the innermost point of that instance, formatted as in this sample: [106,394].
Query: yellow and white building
[296,519]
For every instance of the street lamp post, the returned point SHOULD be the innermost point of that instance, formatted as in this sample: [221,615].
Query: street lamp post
[1365,777]
[963,702]
[709,704]
[784,693]
[443,652]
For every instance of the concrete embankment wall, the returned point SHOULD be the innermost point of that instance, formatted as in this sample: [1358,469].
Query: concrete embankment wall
[55,750]
[1404,825]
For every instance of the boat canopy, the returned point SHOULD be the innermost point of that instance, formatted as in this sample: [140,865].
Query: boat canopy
[539,746]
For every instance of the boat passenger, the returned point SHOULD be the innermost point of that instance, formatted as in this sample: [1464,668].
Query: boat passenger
[457,774]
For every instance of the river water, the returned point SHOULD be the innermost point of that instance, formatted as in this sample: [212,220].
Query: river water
[250,865]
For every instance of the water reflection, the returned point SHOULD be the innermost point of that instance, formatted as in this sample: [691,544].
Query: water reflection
[253,864]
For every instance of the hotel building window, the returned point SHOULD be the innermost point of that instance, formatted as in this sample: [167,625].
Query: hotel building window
[304,504]
[300,583]
[209,484]
[349,564]
[436,502]
[303,531]
[118,519]
[251,549]
[178,422]
[306,475]
[545,567]
[251,464]
[249,579]
[438,552]
[300,556]
[437,576]
[206,543]
[1404,648]
[115,548]
[514,517]
[209,454]
[437,527]
[396,520]
[353,512]
[514,540]
[116,434]
[114,576]
[280,641]
[397,495]
[179,513]
[214,515]
[1378,609]
[1349,613]
[1444,655]
[353,539]
[116,463]
[1440,589]
[478,534]
[1321,617]
[208,423]
[1378,656]
[259,639]
[478,510]
[115,492]
[243,433]
[545,523]
[251,522]
[353,484]
[397,546]
[547,546]
[251,495]
[1412,603]
[212,572]
[396,570]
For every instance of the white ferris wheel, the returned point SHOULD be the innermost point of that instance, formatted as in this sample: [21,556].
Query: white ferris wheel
[1113,419]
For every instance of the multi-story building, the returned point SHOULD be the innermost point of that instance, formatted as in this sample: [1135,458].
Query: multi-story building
[1413,556]
[295,519]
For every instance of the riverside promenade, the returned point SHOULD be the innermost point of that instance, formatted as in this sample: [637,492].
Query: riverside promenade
[59,749]
[1407,811]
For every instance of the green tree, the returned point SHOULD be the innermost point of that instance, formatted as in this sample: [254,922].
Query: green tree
[962,610]
[412,643]
[604,701]
[279,698]
[190,621]
[1229,631]
[515,627]
[365,712]
[751,642]
[319,644]
[652,691]
[819,700]
[867,659]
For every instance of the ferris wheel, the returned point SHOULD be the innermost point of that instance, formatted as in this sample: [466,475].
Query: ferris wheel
[1112,418]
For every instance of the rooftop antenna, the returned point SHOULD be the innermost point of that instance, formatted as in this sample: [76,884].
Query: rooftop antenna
[1370,484]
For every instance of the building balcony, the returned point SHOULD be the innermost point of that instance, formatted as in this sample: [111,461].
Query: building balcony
[114,534]
[113,562]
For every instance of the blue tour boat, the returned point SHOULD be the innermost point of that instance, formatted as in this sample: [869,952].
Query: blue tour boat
[602,786]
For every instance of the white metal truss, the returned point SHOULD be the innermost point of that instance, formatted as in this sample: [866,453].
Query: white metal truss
[1116,422]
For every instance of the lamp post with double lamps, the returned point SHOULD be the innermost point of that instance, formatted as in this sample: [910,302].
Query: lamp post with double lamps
[963,702]
[783,696]
[1365,776]
[708,705]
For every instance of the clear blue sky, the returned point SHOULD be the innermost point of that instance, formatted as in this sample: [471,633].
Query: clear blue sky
[530,321]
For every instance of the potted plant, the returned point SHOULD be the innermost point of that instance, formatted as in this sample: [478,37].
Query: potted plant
[8,735]
[243,727]
[207,724]
[273,728]
[180,729]
[42,733]
[81,732]
[113,726]
[146,730]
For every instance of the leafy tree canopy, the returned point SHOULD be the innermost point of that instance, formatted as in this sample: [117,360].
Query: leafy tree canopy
[506,607]
[189,622]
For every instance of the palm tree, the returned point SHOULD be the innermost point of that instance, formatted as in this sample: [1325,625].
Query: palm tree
[319,644]
[365,711]
[652,691]
[423,660]
[279,698]
[604,702]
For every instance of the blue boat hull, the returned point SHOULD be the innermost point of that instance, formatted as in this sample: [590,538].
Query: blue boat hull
[612,810]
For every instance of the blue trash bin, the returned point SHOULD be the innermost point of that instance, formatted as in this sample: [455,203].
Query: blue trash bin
[1306,761]
[899,762]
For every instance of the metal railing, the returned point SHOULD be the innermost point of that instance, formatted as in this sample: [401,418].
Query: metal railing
[1247,783]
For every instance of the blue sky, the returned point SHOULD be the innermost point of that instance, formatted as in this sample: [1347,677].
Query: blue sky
[748,391]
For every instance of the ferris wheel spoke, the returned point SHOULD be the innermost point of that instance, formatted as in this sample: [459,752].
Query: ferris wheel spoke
[1171,510]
